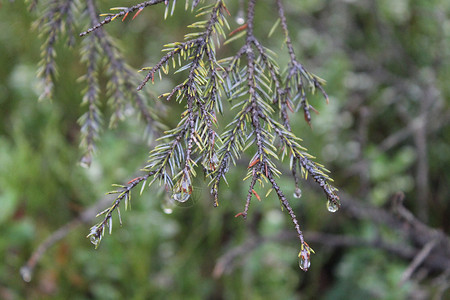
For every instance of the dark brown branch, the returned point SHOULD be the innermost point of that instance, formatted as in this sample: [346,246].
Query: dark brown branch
[124,12]
[282,16]
[288,207]
[97,231]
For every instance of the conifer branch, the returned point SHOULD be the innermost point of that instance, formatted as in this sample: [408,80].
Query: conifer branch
[250,79]
[258,84]
[91,120]
[298,78]
[124,13]
[264,87]
[56,20]
[120,87]
[124,193]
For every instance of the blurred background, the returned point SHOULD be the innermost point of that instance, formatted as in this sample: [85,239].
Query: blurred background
[384,136]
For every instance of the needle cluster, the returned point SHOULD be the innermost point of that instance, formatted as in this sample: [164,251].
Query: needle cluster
[261,95]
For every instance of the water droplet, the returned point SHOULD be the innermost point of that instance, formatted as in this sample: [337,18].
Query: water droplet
[26,273]
[214,163]
[167,210]
[183,190]
[185,186]
[304,262]
[297,193]
[181,197]
[211,163]
[86,161]
[240,14]
[168,205]
[94,240]
[332,207]
[94,236]
[304,256]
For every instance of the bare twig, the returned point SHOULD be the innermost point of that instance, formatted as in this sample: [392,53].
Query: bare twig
[417,261]
[85,217]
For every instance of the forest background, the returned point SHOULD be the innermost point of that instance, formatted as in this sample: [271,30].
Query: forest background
[384,136]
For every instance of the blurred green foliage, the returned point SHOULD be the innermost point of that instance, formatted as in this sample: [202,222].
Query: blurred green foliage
[382,60]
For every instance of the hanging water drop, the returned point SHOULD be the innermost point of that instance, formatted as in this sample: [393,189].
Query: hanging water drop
[167,210]
[94,236]
[211,163]
[332,207]
[25,272]
[214,163]
[304,262]
[94,240]
[240,17]
[183,190]
[185,186]
[240,14]
[168,204]
[297,193]
[86,161]
[180,197]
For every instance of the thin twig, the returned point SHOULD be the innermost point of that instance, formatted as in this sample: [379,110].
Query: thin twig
[417,261]
[86,216]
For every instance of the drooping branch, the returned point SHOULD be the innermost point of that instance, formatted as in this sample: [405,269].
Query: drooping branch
[252,79]
[298,78]
[91,121]
[173,162]
[124,193]
[57,18]
[120,87]
[124,13]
